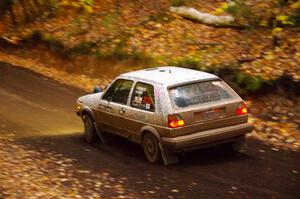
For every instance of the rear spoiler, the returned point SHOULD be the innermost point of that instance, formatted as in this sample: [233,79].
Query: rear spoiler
[193,82]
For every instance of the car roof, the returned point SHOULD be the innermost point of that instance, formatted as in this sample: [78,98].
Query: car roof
[168,75]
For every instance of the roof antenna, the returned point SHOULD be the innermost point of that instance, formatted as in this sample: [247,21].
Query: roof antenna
[169,70]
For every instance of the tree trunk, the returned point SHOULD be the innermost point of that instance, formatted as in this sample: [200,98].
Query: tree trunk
[25,11]
[37,5]
[118,6]
[6,7]
[158,6]
[201,17]
[47,3]
[12,15]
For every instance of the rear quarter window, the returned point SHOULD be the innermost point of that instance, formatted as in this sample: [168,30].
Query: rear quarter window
[200,93]
[143,97]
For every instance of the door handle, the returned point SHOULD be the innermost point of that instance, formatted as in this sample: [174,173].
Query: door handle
[108,109]
[105,107]
[122,110]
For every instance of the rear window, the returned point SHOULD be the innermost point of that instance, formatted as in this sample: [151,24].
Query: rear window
[199,93]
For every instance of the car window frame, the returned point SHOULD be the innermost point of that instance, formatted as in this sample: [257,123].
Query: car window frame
[132,95]
[129,94]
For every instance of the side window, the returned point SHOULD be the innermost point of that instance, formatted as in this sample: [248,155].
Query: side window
[143,97]
[108,94]
[119,91]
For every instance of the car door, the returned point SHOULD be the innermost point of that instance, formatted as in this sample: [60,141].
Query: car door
[113,106]
[142,110]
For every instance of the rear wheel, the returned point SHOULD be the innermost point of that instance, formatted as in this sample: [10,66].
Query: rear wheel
[151,148]
[89,129]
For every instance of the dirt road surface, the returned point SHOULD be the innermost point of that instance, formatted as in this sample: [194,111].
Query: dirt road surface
[40,113]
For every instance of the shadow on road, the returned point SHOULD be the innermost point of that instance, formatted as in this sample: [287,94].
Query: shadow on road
[252,171]
[121,150]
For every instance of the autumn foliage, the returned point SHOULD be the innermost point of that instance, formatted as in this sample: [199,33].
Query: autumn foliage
[260,45]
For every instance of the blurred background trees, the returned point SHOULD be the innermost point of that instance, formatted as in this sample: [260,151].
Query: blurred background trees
[25,10]
[246,12]
[262,40]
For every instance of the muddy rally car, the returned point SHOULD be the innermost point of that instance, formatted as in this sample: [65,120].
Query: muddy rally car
[167,110]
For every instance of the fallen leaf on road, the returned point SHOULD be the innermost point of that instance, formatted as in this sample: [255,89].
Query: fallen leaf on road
[83,171]
[295,171]
[275,149]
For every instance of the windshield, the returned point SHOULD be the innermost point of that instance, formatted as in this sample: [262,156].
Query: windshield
[199,93]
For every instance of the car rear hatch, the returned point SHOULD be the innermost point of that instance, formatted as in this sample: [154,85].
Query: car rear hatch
[205,105]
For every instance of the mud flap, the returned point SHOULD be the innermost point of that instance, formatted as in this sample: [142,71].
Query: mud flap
[102,140]
[240,145]
[167,156]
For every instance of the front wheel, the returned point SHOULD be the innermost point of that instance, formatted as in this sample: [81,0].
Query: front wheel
[151,148]
[89,129]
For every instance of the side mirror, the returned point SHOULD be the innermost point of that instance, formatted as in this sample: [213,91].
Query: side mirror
[97,89]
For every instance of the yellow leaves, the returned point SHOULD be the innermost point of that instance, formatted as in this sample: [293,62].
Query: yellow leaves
[269,56]
[224,7]
[218,11]
[65,3]
[88,8]
[263,23]
[117,41]
[295,5]
[262,5]
[76,4]
[86,5]
[46,36]
[276,30]
[284,131]
[282,18]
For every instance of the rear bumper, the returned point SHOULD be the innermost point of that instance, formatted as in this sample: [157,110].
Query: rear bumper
[208,137]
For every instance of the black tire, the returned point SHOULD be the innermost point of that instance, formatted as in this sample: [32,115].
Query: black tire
[151,148]
[90,133]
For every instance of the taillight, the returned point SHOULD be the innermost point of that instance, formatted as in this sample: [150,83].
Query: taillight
[175,121]
[242,109]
